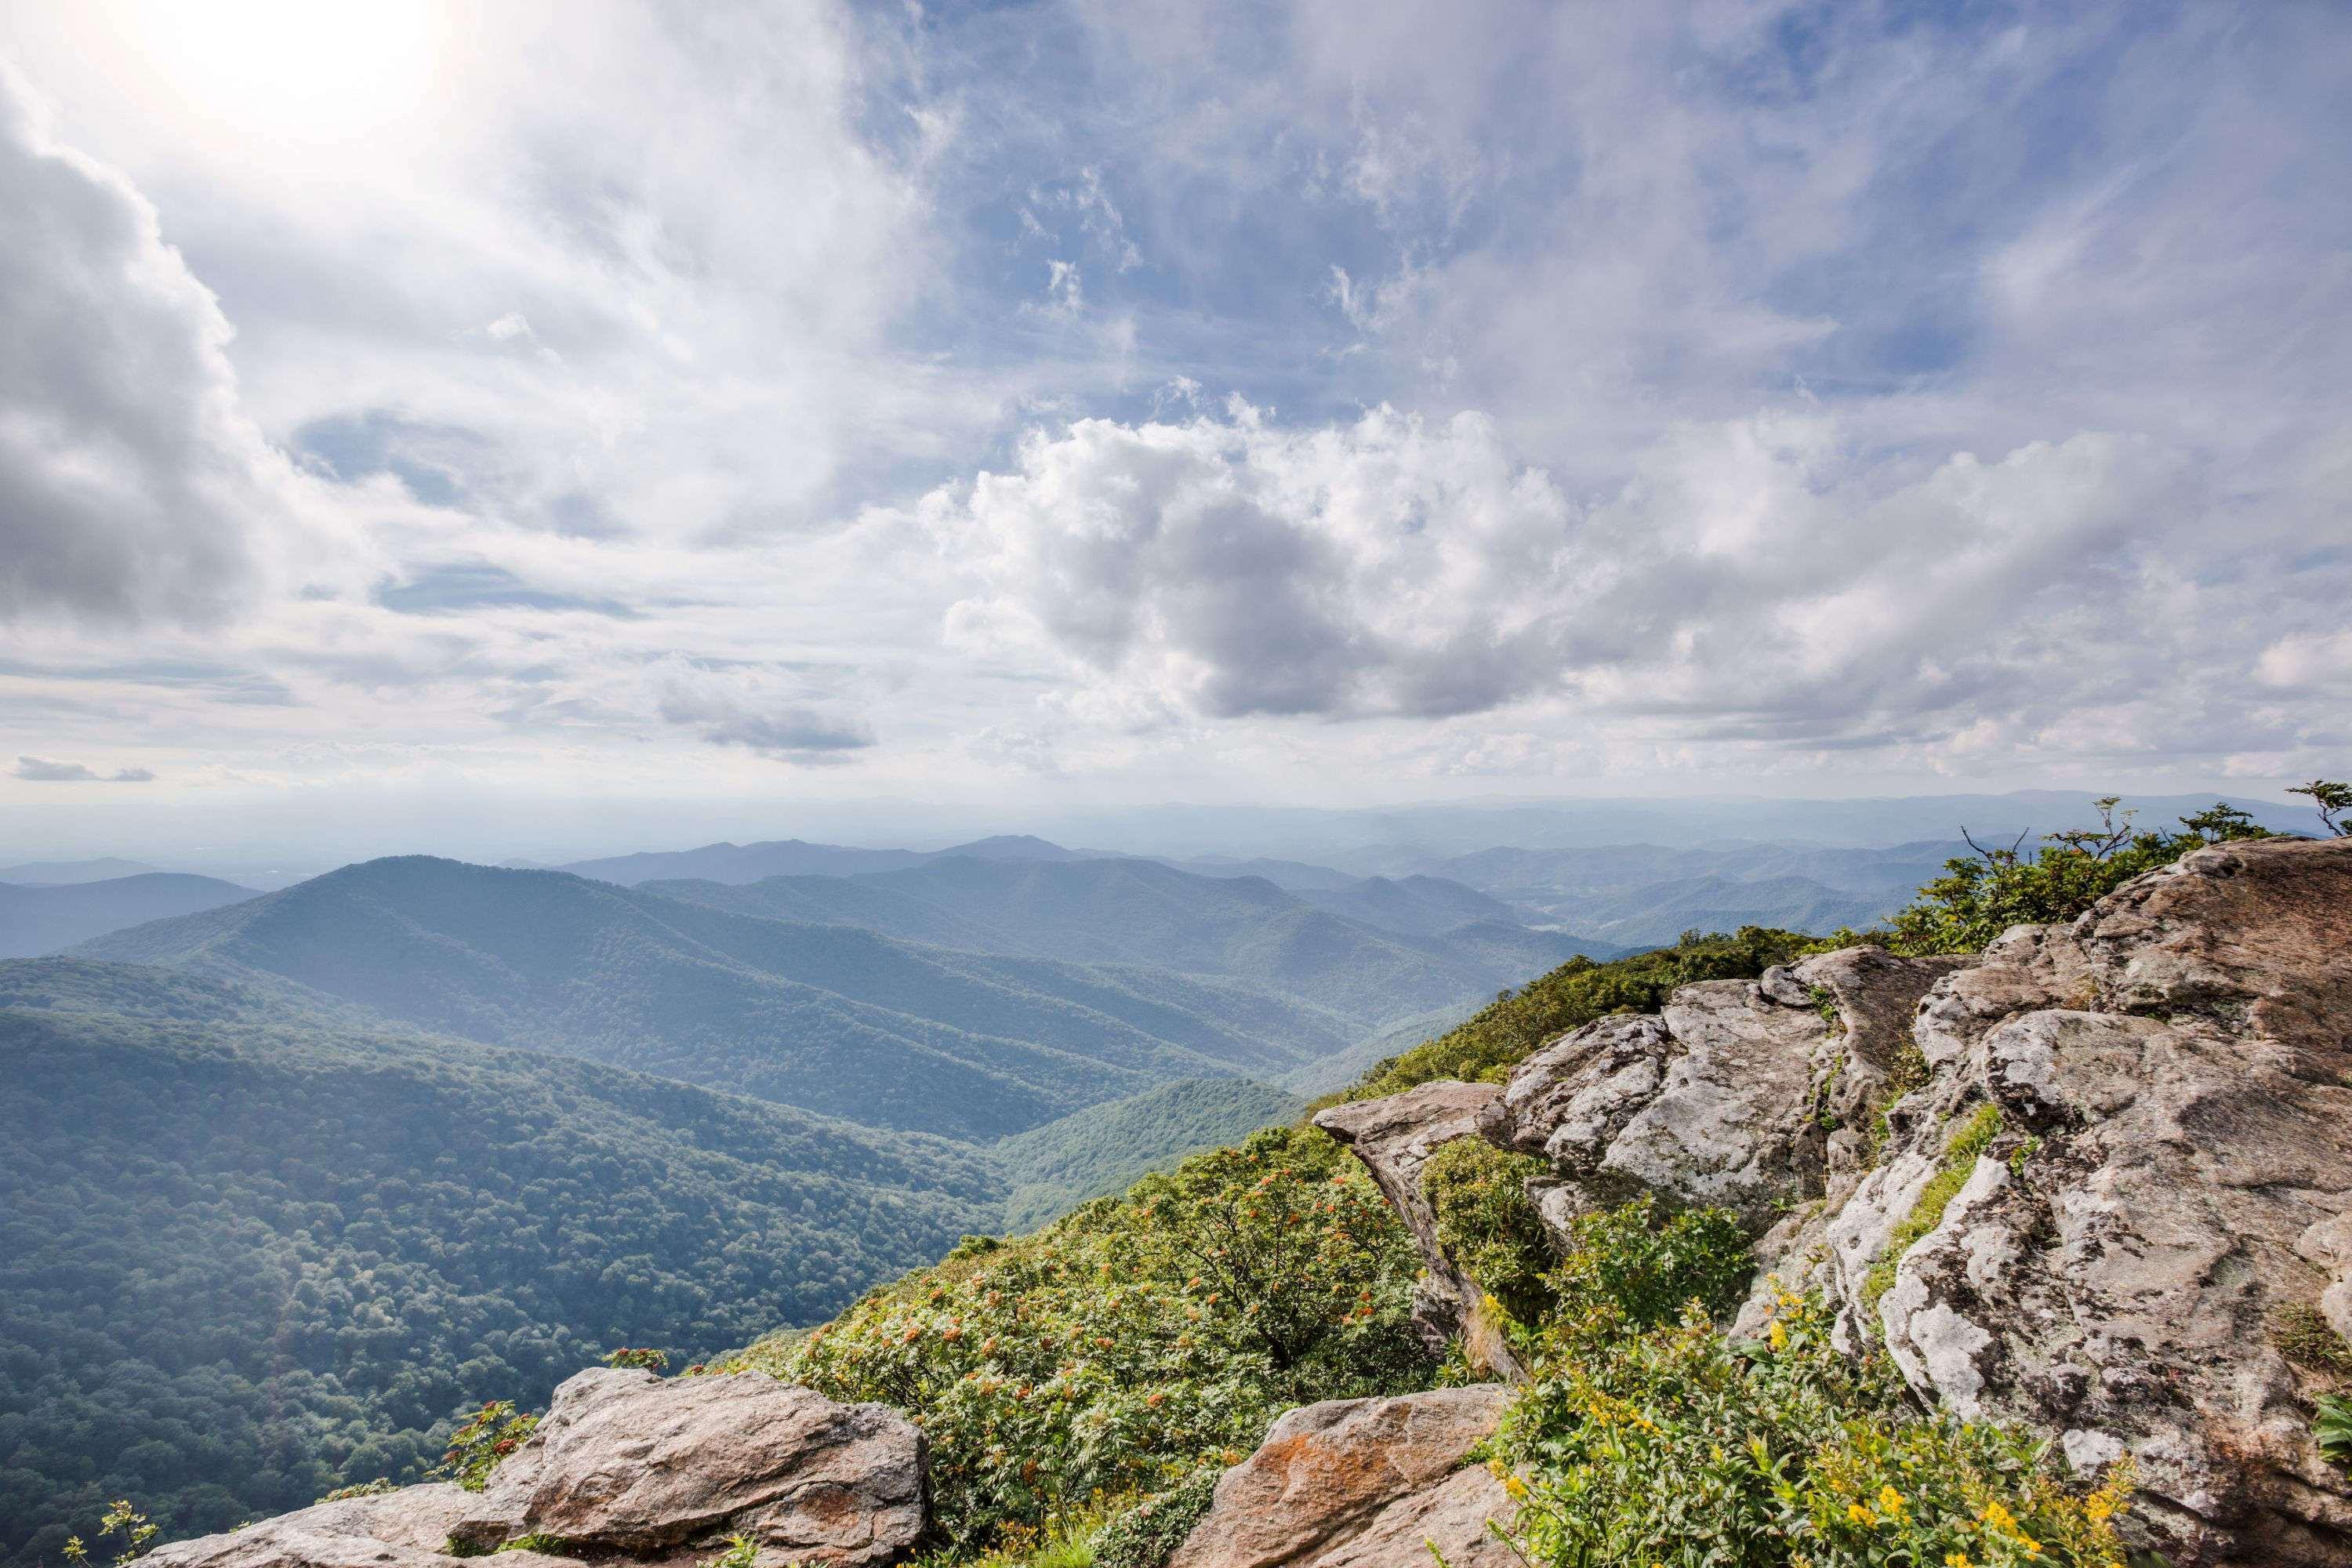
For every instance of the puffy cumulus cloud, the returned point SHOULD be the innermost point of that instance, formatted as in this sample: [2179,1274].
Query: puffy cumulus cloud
[1233,567]
[1759,581]
[132,488]
[749,708]
[41,769]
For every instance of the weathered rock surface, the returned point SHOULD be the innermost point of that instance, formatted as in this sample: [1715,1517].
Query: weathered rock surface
[1745,1095]
[2173,1072]
[1360,1483]
[1394,1137]
[404,1528]
[628,1461]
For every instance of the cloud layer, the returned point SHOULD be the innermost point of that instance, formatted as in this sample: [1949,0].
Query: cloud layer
[1232,400]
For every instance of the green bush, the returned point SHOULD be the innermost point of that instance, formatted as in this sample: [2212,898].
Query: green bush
[482,1443]
[1148,1534]
[1978,899]
[1488,1227]
[1136,1340]
[1673,1445]
[1623,1268]
[2334,1429]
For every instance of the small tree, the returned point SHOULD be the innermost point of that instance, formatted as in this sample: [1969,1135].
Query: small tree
[2331,798]
[122,1519]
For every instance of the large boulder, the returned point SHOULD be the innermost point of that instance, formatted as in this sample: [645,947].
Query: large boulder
[1394,1137]
[628,1462]
[2139,1128]
[408,1528]
[1361,1483]
[1752,1096]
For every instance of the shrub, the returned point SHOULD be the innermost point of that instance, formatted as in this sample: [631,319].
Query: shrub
[1622,1267]
[482,1443]
[2304,1335]
[1146,1535]
[121,1519]
[1488,1227]
[1978,899]
[643,1360]
[1673,1445]
[2330,798]
[376,1488]
[1136,1340]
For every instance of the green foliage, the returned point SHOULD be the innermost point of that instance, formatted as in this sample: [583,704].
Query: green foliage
[249,1254]
[2333,1429]
[2304,1335]
[640,1358]
[2332,800]
[1146,1535]
[1978,899]
[376,1488]
[1673,1445]
[742,1551]
[1488,1227]
[1505,1033]
[1960,1152]
[1101,1150]
[1622,1266]
[1136,1340]
[482,1443]
[121,1519]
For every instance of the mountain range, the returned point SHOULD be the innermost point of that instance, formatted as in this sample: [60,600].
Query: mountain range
[47,918]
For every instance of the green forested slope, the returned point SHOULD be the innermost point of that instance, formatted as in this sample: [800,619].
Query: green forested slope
[1118,912]
[248,1254]
[1052,1169]
[830,1018]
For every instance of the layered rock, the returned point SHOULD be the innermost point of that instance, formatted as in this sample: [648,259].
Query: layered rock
[2076,1182]
[2172,1080]
[1394,1137]
[626,1460]
[1361,1483]
[628,1466]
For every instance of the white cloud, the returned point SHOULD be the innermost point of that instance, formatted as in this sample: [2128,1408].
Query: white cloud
[41,769]
[132,486]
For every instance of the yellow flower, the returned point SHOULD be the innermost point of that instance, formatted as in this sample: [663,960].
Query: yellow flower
[1516,1486]
[1779,1337]
[1859,1514]
[1890,1502]
[1996,1517]
[1958,1560]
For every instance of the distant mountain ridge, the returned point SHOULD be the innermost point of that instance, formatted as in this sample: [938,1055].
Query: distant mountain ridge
[50,918]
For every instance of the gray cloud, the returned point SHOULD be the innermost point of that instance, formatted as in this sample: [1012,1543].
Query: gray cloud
[130,487]
[737,708]
[40,770]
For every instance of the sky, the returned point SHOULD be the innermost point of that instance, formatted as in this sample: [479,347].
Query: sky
[604,423]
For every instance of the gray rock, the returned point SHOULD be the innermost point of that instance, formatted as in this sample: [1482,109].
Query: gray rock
[628,1461]
[1359,1482]
[403,1528]
[1394,1137]
[2174,1076]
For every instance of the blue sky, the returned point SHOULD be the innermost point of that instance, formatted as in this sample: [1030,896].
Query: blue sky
[703,407]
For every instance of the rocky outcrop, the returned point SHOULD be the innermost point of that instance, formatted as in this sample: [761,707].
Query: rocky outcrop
[1752,1096]
[404,1528]
[2096,1180]
[1361,1483]
[2170,1082]
[627,1467]
[628,1461]
[1394,1137]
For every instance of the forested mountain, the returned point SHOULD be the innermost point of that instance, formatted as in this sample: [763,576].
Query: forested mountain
[1111,911]
[1052,1169]
[37,918]
[249,1253]
[59,873]
[828,1017]
[742,862]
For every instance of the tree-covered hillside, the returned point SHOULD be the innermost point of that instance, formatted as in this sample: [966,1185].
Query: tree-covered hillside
[248,1254]
[1052,1169]
[37,918]
[828,1017]
[1392,954]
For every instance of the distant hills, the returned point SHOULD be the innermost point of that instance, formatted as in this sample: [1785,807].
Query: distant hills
[793,857]
[249,1253]
[37,918]
[59,873]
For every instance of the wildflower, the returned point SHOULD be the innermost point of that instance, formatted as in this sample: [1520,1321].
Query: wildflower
[1997,1518]
[1778,1336]
[1958,1560]
[1890,1502]
[1860,1515]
